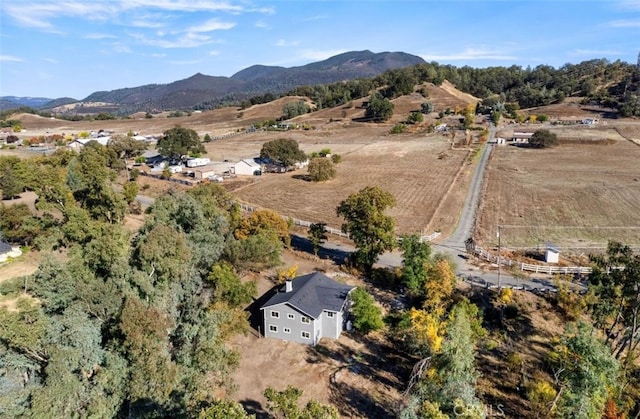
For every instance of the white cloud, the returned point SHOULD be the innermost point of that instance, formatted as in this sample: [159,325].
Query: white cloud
[630,4]
[10,58]
[140,23]
[624,23]
[470,54]
[214,53]
[316,17]
[100,36]
[187,40]
[212,25]
[185,62]
[51,60]
[284,43]
[262,25]
[40,14]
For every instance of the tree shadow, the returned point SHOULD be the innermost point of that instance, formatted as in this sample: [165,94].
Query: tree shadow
[255,314]
[254,407]
[337,256]
[306,178]
[355,402]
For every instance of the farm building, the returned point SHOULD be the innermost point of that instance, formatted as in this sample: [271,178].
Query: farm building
[521,137]
[78,143]
[246,167]
[552,254]
[306,309]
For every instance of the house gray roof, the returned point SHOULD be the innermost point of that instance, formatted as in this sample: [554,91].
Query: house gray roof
[312,294]
[4,247]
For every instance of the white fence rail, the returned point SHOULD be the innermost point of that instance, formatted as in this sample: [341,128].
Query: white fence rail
[548,269]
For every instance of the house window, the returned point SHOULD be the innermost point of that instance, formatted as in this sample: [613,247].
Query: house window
[275,314]
[286,330]
[291,316]
[330,314]
[305,320]
[306,335]
[273,328]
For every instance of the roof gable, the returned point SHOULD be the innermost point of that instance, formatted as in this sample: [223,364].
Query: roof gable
[312,294]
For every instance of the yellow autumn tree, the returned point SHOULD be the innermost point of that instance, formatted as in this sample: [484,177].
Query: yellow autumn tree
[439,285]
[264,221]
[287,273]
[427,329]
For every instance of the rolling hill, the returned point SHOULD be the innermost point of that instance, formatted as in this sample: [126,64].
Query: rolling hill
[252,81]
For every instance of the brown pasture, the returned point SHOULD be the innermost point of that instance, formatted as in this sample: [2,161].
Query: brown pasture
[578,195]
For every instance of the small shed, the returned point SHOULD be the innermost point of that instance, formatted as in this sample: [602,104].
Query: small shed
[552,254]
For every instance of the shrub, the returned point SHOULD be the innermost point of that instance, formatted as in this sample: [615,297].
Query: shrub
[398,128]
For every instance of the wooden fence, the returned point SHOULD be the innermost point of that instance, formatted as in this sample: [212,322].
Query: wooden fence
[332,230]
[547,269]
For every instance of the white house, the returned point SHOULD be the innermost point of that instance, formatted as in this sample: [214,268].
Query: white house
[246,167]
[78,143]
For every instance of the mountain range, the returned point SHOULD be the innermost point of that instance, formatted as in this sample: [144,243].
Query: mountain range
[202,89]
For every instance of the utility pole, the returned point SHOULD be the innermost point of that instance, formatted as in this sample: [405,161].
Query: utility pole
[499,261]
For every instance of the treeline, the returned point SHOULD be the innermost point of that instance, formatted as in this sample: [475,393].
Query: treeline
[615,85]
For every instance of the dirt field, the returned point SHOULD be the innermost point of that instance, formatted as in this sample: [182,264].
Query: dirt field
[417,169]
[578,195]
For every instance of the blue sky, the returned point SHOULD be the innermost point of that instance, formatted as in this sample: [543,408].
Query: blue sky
[56,48]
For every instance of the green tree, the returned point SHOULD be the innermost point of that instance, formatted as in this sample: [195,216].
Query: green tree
[615,284]
[426,107]
[12,176]
[293,109]
[224,409]
[207,138]
[379,109]
[366,224]
[130,191]
[585,371]
[415,117]
[415,258]
[317,235]
[284,405]
[367,314]
[543,138]
[321,169]
[451,389]
[126,147]
[178,141]
[282,150]
[228,288]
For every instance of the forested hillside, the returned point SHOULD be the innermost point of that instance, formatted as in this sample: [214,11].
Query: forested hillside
[115,324]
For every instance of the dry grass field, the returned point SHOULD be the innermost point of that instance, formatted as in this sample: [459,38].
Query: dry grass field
[578,195]
[417,169]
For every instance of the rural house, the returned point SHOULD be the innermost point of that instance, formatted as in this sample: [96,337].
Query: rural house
[7,251]
[246,167]
[307,309]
